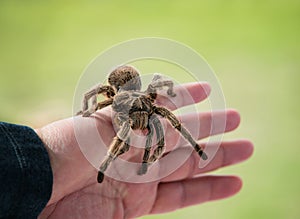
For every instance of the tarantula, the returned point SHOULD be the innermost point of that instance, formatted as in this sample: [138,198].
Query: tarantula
[134,110]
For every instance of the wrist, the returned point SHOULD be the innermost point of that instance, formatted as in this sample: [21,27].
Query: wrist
[69,166]
[52,158]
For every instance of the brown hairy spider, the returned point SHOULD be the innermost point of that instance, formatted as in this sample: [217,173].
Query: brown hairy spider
[134,110]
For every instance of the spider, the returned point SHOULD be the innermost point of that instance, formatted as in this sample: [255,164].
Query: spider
[134,110]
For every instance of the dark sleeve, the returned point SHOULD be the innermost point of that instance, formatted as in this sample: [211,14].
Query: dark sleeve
[25,172]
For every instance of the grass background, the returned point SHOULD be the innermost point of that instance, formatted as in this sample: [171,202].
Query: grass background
[253,46]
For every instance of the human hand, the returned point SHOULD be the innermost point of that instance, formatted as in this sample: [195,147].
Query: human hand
[76,193]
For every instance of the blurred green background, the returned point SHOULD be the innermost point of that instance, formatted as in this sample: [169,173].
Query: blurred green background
[253,46]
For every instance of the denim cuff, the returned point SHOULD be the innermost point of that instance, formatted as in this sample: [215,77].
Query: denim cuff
[26,176]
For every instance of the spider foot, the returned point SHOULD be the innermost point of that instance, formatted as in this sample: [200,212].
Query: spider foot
[203,155]
[89,112]
[171,93]
[143,169]
[100,177]
[79,113]
[86,113]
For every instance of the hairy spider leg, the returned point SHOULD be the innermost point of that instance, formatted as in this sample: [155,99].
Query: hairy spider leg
[148,146]
[160,139]
[99,89]
[124,148]
[114,147]
[104,103]
[185,133]
[99,106]
[159,82]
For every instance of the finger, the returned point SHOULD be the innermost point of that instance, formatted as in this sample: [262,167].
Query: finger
[186,94]
[212,123]
[202,125]
[179,194]
[172,136]
[229,153]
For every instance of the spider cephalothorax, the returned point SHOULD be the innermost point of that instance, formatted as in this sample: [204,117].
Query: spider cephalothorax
[135,110]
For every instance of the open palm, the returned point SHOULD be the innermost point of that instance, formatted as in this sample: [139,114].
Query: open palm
[76,193]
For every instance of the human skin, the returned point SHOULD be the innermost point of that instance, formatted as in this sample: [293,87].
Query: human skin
[76,193]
